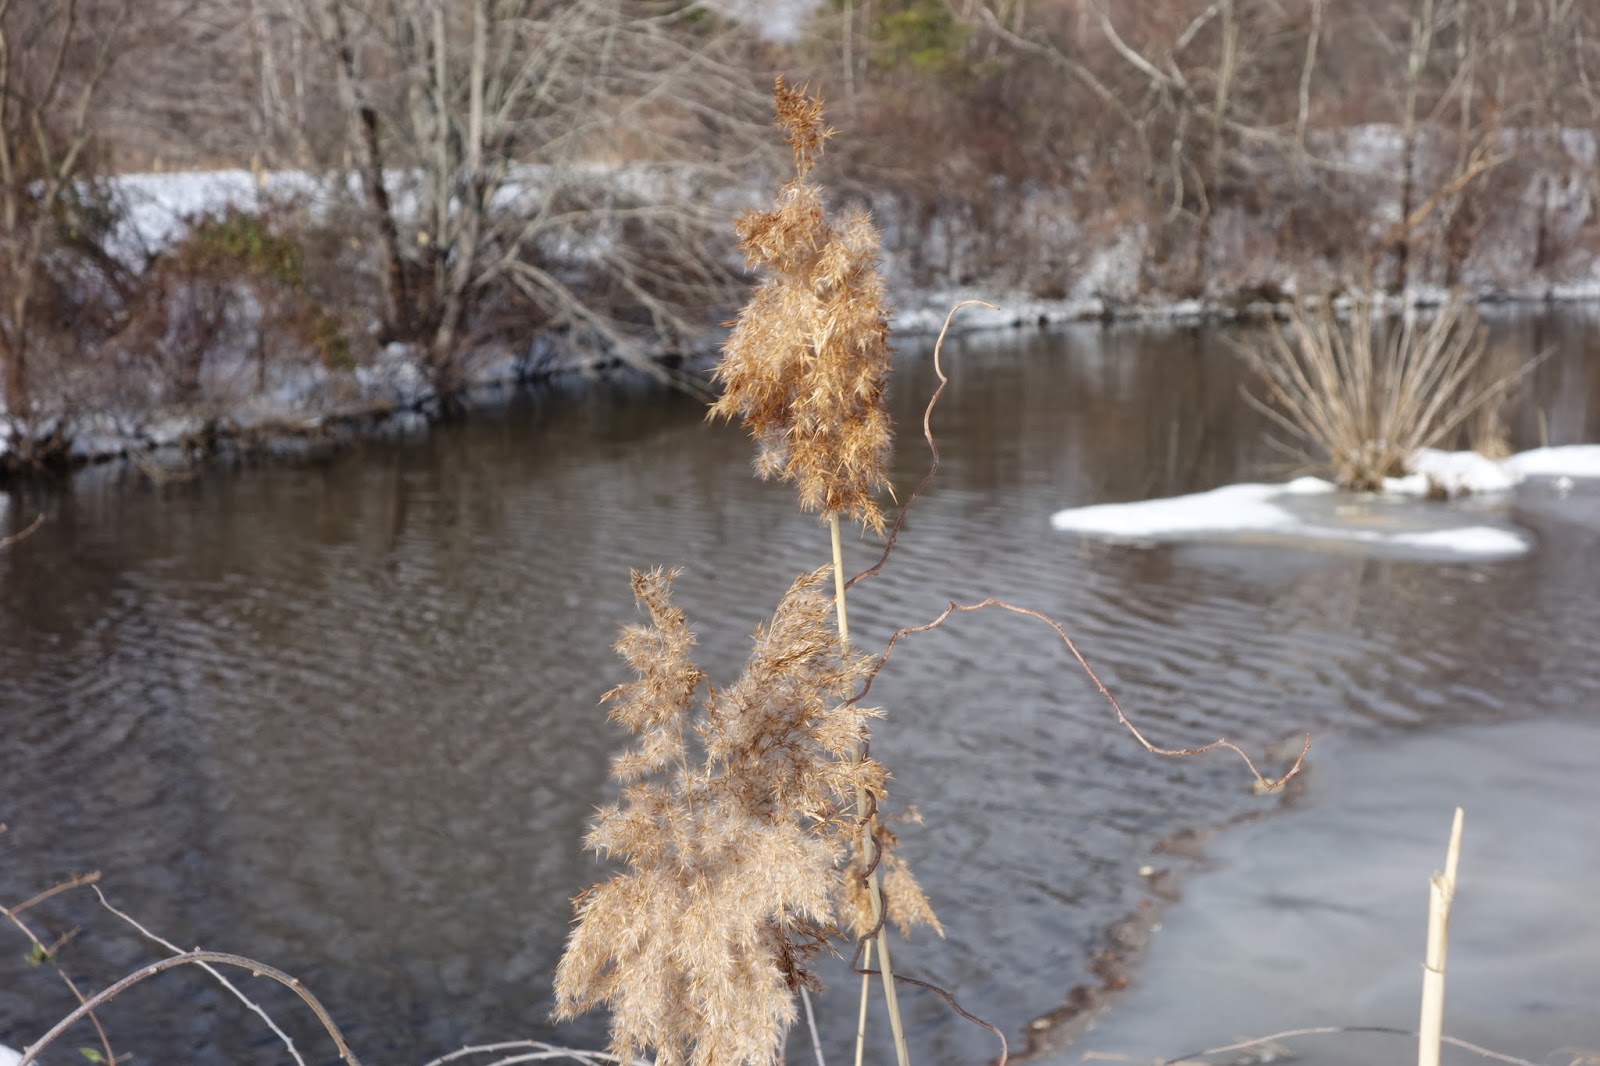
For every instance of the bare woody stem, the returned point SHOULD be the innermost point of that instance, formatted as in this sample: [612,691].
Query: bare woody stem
[220,958]
[868,821]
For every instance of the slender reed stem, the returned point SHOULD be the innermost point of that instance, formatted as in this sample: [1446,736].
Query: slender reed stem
[866,989]
[1440,892]
[811,1024]
[874,886]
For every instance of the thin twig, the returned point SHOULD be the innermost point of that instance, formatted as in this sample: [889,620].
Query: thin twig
[13,915]
[30,1054]
[1441,891]
[1330,1030]
[1265,783]
[55,890]
[288,1042]
[94,1019]
[927,434]
[546,1050]
[6,542]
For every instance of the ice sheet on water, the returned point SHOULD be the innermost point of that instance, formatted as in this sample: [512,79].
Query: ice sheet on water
[1306,513]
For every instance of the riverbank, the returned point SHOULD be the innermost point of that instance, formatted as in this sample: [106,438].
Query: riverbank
[392,394]
[252,403]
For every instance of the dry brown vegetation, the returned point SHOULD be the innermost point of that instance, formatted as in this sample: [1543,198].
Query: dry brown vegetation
[735,854]
[806,364]
[1358,396]
[748,848]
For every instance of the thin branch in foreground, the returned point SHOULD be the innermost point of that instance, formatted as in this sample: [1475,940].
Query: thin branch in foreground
[30,1054]
[811,1024]
[54,890]
[545,1051]
[1262,782]
[927,434]
[43,953]
[288,1042]
[6,542]
[1441,891]
[1331,1030]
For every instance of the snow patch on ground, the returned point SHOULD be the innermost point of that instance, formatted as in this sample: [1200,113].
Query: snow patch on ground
[1310,512]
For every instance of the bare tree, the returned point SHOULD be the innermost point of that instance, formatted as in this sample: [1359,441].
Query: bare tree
[54,58]
[565,162]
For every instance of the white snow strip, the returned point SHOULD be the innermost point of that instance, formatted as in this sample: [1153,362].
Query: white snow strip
[1572,460]
[1482,541]
[1433,473]
[1230,509]
[1283,514]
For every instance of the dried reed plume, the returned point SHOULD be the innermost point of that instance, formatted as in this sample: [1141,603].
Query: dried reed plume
[806,364]
[734,823]
[1360,399]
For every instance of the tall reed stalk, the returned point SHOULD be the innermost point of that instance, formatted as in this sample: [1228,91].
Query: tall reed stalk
[749,824]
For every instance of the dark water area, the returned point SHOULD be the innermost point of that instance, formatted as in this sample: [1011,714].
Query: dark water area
[341,716]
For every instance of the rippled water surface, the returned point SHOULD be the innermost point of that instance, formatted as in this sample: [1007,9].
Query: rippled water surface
[341,715]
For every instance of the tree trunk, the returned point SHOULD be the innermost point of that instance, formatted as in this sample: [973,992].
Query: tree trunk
[400,310]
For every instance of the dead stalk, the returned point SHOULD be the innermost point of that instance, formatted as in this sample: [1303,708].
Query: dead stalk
[1441,890]
[868,818]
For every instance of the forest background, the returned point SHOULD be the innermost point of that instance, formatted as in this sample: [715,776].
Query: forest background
[404,198]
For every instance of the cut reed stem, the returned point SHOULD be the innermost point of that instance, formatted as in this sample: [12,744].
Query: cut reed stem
[874,884]
[1441,890]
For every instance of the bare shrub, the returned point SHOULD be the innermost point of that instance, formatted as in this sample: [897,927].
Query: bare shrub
[1360,397]
[234,298]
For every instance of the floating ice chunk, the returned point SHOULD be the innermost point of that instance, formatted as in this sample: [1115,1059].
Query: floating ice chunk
[1232,508]
[1306,513]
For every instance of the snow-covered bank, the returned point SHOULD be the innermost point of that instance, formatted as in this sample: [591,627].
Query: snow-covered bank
[250,390]
[1104,286]
[922,312]
[1311,512]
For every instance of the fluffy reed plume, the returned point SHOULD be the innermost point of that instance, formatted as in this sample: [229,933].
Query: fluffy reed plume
[733,823]
[806,363]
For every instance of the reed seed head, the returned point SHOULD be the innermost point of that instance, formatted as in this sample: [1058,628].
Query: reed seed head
[736,815]
[806,365]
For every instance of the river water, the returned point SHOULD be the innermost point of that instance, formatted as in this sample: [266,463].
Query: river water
[340,715]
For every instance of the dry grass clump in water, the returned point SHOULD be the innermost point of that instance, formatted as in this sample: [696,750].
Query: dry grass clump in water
[734,822]
[808,358]
[1361,398]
